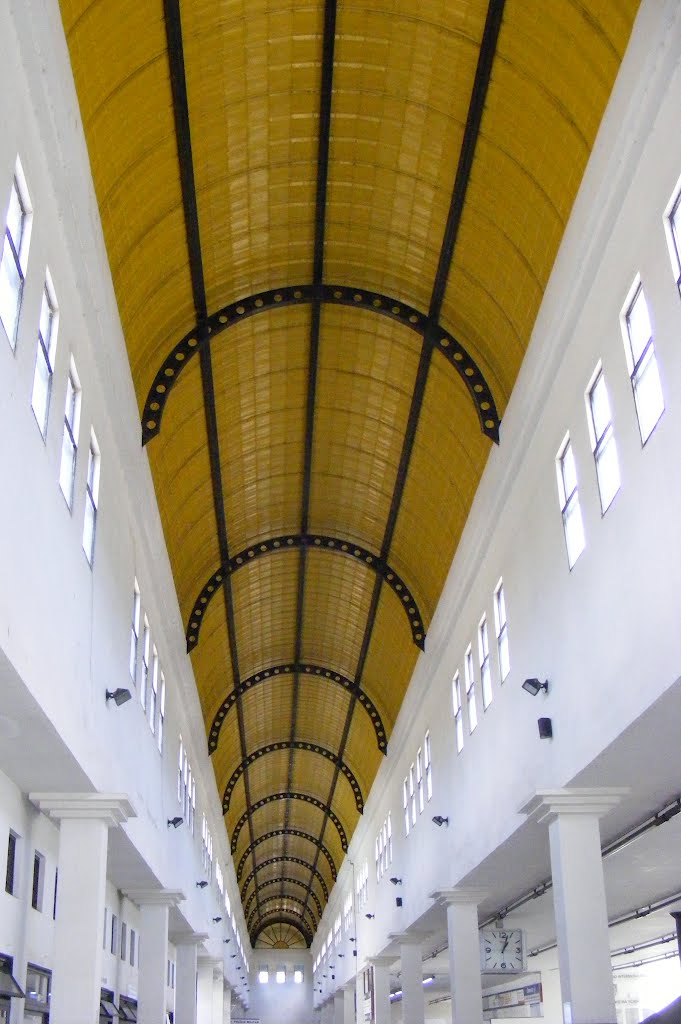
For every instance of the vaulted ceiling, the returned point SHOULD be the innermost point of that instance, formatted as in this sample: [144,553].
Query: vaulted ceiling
[330,226]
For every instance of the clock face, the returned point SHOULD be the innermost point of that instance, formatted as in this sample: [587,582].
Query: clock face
[502,949]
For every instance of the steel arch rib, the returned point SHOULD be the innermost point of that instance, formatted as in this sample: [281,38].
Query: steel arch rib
[312,748]
[319,542]
[276,918]
[285,795]
[278,896]
[288,858]
[287,880]
[303,669]
[343,295]
[288,831]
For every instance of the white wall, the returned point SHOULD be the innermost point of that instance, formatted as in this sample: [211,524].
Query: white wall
[273,1003]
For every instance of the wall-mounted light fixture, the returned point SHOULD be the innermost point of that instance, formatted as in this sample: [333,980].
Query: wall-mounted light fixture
[398,901]
[233,956]
[202,884]
[119,696]
[226,941]
[175,822]
[341,955]
[370,916]
[396,881]
[545,728]
[440,821]
[533,686]
[216,920]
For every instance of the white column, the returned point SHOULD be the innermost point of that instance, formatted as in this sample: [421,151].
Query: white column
[153,959]
[327,1012]
[579,904]
[349,1004]
[227,1006]
[185,977]
[463,939]
[204,991]
[218,993]
[411,977]
[338,1007]
[85,819]
[381,967]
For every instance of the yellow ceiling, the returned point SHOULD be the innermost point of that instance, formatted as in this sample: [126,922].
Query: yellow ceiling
[329,228]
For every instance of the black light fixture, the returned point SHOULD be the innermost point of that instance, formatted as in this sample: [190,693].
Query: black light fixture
[216,920]
[119,696]
[202,884]
[370,916]
[226,941]
[545,728]
[233,956]
[175,822]
[533,686]
[341,955]
[351,938]
[396,881]
[398,901]
[440,821]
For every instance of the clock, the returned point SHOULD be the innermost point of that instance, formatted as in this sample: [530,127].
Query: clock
[502,950]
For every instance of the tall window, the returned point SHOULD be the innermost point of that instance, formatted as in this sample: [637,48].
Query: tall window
[674,238]
[69,443]
[44,360]
[347,912]
[124,940]
[180,780]
[14,257]
[405,805]
[428,764]
[146,658]
[568,495]
[133,946]
[603,440]
[192,802]
[470,690]
[38,881]
[135,630]
[412,794]
[153,690]
[642,363]
[11,870]
[389,832]
[161,713]
[501,630]
[91,499]
[419,777]
[458,711]
[483,658]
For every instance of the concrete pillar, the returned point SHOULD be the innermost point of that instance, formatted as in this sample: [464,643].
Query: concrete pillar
[204,990]
[227,1005]
[153,961]
[327,1012]
[185,976]
[339,1007]
[85,819]
[381,968]
[463,939]
[411,976]
[572,816]
[349,1016]
[218,993]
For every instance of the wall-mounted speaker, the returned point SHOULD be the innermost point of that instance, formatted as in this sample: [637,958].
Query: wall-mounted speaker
[545,728]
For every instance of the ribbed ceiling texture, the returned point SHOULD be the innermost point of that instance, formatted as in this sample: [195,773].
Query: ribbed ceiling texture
[329,226]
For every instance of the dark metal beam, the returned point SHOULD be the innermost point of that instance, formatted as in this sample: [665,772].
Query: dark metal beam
[306,798]
[319,542]
[408,316]
[303,669]
[277,918]
[290,880]
[311,748]
[432,330]
[288,831]
[279,899]
[173,27]
[288,859]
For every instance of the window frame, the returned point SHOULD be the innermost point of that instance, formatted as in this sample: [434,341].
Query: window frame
[419,779]
[501,630]
[469,680]
[38,881]
[43,374]
[18,254]
[570,506]
[458,711]
[428,765]
[71,432]
[91,499]
[603,442]
[647,360]
[12,861]
[484,662]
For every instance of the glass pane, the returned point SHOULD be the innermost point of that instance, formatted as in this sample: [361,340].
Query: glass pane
[569,471]
[648,395]
[472,710]
[89,528]
[638,320]
[486,684]
[15,217]
[504,659]
[600,407]
[574,531]
[45,325]
[41,389]
[608,471]
[10,293]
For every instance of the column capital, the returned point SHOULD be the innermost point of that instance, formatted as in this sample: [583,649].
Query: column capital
[408,938]
[380,961]
[460,895]
[111,808]
[155,897]
[549,804]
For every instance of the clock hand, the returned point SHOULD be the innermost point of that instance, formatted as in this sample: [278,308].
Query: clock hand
[508,939]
